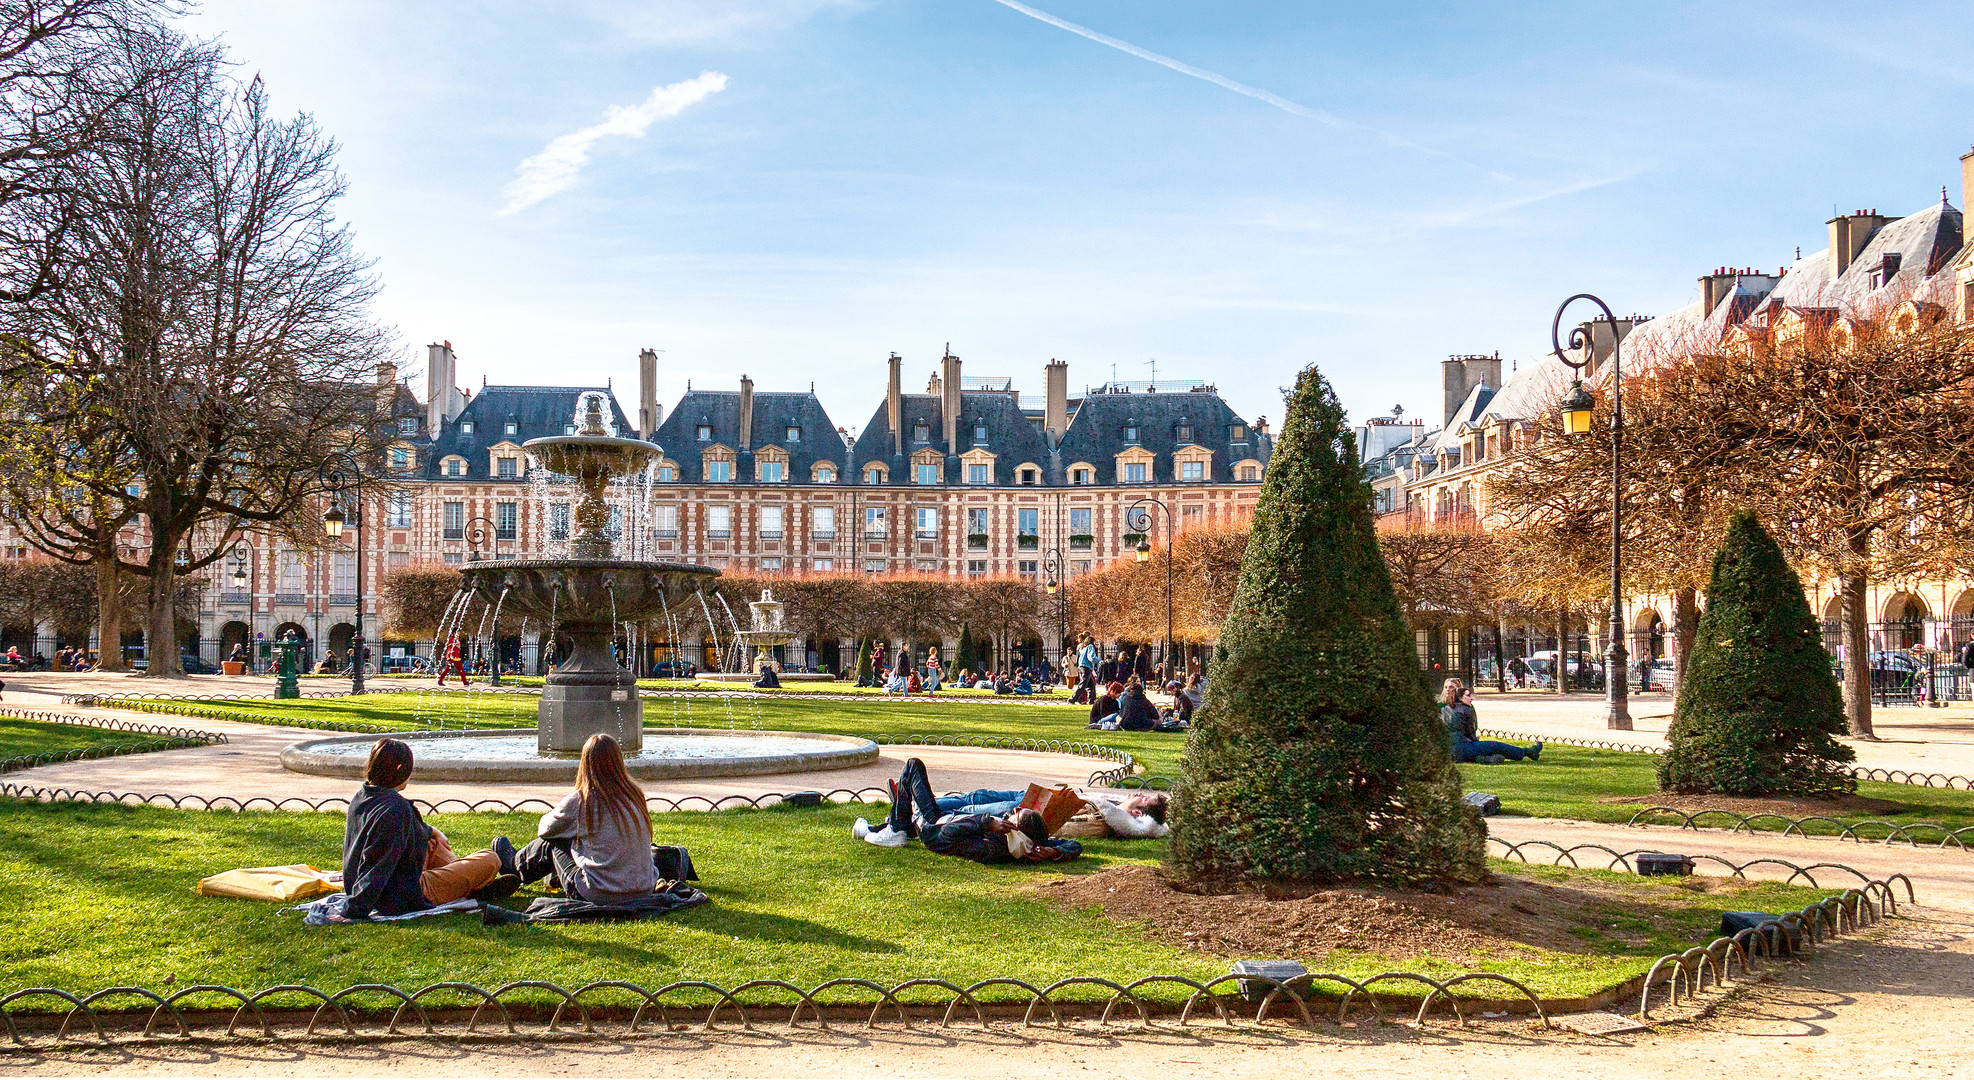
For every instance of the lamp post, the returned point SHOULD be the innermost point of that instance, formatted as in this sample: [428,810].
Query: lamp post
[1576,411]
[1054,585]
[1139,511]
[333,523]
[481,528]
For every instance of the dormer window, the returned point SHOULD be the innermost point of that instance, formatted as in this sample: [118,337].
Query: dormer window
[704,433]
[466,427]
[667,474]
[874,475]
[1082,476]
[1886,270]
[793,434]
[569,429]
[979,434]
[1028,476]
[921,432]
[825,475]
[455,467]
[1131,432]
[1185,433]
[506,468]
[408,425]
[513,427]
[1236,433]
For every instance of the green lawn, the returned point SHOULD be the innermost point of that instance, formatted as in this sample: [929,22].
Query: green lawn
[21,738]
[101,895]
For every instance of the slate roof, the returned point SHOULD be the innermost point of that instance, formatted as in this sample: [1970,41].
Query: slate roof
[774,413]
[1096,433]
[537,410]
[1925,242]
[1012,437]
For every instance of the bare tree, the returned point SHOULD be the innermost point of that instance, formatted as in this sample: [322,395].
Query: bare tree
[212,325]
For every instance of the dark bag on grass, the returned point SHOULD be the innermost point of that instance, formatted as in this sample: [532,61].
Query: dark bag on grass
[1488,805]
[674,863]
[559,909]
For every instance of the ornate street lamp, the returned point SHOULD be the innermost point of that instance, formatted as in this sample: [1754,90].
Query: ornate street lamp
[1139,512]
[333,523]
[1576,409]
[481,528]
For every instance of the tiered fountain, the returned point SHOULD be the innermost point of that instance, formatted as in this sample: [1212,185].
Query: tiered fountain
[765,616]
[586,597]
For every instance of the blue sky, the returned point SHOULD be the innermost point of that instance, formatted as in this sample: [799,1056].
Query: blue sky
[827,181]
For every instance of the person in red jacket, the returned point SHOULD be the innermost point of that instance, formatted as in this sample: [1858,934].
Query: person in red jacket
[453,662]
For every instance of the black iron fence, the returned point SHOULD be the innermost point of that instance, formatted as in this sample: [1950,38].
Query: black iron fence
[1894,682]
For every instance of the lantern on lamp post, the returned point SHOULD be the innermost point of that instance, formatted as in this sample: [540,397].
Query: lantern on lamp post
[1577,411]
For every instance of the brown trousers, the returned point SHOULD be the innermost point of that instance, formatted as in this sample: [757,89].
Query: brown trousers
[446,878]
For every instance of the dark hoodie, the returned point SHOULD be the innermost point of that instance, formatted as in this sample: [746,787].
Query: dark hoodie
[384,847]
[1134,712]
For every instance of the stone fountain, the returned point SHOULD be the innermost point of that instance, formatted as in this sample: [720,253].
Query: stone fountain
[767,634]
[587,596]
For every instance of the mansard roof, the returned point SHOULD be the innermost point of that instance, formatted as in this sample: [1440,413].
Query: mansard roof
[774,414]
[1096,432]
[1012,436]
[536,411]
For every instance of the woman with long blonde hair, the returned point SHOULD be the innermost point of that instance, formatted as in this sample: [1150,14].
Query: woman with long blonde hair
[596,844]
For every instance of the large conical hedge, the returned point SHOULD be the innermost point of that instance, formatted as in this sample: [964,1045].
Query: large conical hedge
[1759,707]
[1318,756]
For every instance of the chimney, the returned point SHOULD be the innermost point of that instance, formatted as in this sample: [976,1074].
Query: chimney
[1966,178]
[1055,415]
[440,388]
[1714,288]
[894,404]
[949,401]
[1849,234]
[387,374]
[648,415]
[746,413]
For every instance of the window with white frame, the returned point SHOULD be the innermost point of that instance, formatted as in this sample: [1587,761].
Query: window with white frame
[512,427]
[1082,476]
[771,563]
[980,434]
[719,472]
[454,466]
[773,472]
[1192,470]
[927,473]
[407,425]
[293,572]
[1028,527]
[1191,517]
[874,474]
[667,474]
[825,475]
[1079,529]
[976,567]
[792,434]
[558,521]
[822,523]
[979,474]
[1134,472]
[398,513]
[825,564]
[1027,567]
[928,523]
[704,432]
[400,458]
[874,527]
[455,520]
[921,433]
[976,527]
[507,468]
[342,581]
[1250,473]
[771,522]
[665,522]
[719,522]
[507,521]
[466,427]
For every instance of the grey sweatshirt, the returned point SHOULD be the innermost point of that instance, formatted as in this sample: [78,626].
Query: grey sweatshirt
[614,862]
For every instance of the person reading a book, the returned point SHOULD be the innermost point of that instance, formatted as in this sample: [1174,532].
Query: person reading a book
[1016,835]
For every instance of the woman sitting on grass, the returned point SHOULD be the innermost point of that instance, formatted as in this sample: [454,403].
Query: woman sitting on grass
[596,844]
[1017,835]
[394,863]
[1463,727]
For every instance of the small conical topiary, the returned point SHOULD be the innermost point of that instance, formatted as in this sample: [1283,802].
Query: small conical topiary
[863,661]
[1759,708]
[1318,756]
[966,658]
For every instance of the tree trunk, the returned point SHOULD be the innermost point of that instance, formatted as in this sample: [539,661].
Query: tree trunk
[1685,623]
[161,628]
[1857,653]
[1560,668]
[109,616]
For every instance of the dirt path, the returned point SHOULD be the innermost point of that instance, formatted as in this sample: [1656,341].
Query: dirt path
[1892,1003]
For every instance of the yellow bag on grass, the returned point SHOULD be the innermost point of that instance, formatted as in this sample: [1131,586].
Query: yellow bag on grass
[297,882]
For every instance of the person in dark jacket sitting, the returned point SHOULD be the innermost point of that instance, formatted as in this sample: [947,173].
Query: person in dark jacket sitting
[1463,729]
[1020,836]
[1106,704]
[1134,710]
[394,863]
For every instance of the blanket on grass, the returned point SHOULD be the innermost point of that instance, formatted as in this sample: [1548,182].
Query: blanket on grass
[329,909]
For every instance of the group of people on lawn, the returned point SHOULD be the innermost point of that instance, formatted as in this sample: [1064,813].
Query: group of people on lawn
[595,845]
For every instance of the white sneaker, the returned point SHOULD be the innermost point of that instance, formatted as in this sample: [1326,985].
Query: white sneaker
[861,829]
[885,837]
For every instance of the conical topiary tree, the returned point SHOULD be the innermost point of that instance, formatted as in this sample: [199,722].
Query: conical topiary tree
[1318,756]
[967,657]
[1759,707]
[863,660]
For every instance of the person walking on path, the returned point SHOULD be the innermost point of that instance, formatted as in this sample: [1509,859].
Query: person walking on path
[453,663]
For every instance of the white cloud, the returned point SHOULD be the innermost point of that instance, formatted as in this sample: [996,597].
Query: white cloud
[555,169]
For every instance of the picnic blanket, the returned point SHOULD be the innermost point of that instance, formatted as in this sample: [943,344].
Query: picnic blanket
[562,909]
[329,909]
[296,882]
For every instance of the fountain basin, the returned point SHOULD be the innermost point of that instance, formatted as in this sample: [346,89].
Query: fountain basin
[748,677]
[513,755]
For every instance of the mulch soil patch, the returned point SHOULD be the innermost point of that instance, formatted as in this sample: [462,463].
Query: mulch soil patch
[1842,807]
[1462,926]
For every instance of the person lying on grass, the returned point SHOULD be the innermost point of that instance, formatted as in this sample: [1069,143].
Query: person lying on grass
[1017,835]
[596,844]
[394,863]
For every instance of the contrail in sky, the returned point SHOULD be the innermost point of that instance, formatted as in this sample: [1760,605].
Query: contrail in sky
[558,165]
[1220,80]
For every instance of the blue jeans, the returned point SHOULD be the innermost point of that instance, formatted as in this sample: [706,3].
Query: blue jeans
[983,801]
[1465,752]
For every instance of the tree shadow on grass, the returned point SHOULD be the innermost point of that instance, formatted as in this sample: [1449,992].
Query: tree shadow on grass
[763,926]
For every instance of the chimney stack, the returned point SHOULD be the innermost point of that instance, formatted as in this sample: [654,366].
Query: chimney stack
[1849,234]
[1055,413]
[949,399]
[894,403]
[1460,374]
[648,415]
[1966,178]
[1714,288]
[387,374]
[746,413]
[442,399]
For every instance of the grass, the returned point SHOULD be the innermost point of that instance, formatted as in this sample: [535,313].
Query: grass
[102,895]
[1159,753]
[23,738]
